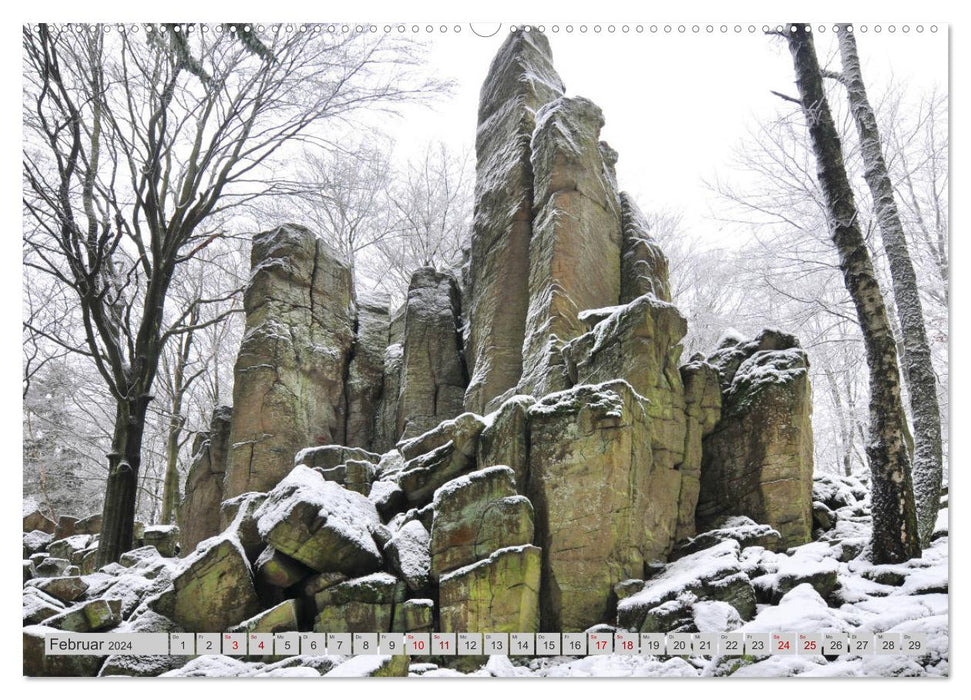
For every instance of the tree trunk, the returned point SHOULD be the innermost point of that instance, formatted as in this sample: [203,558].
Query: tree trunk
[916,356]
[121,493]
[895,537]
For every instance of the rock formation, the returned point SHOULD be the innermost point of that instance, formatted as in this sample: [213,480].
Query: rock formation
[759,459]
[365,375]
[583,475]
[574,254]
[433,375]
[521,79]
[289,376]
[199,511]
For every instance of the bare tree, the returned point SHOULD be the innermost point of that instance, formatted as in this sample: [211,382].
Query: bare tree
[916,353]
[139,146]
[895,537]
[429,201]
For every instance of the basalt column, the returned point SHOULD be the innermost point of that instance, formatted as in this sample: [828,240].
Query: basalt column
[575,251]
[521,79]
[290,371]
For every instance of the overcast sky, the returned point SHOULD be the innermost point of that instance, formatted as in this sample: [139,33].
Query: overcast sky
[675,104]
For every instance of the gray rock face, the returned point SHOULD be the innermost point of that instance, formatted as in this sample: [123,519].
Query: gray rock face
[505,440]
[199,511]
[574,254]
[644,267]
[475,515]
[758,462]
[35,520]
[496,594]
[365,375]
[386,421]
[520,80]
[604,508]
[289,387]
[433,376]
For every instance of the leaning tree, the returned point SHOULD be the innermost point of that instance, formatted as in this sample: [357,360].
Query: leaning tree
[140,143]
[895,537]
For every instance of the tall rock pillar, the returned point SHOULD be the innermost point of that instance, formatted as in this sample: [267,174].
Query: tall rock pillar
[433,375]
[575,251]
[521,79]
[290,371]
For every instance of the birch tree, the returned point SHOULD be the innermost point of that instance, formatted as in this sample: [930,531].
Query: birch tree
[916,352]
[895,537]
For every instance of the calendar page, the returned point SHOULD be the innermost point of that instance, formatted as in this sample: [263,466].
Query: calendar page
[445,349]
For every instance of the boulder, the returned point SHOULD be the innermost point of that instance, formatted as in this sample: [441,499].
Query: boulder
[39,606]
[289,374]
[214,589]
[603,507]
[35,541]
[575,248]
[89,525]
[420,476]
[415,615]
[836,492]
[408,553]
[504,440]
[65,548]
[276,569]
[387,497]
[139,557]
[91,616]
[35,520]
[433,374]
[66,527]
[711,574]
[52,566]
[332,456]
[365,375]
[279,618]
[463,432]
[738,528]
[198,514]
[520,80]
[67,589]
[364,604]
[475,515]
[165,538]
[320,524]
[758,461]
[496,594]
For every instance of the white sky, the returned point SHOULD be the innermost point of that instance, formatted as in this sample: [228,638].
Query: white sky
[675,105]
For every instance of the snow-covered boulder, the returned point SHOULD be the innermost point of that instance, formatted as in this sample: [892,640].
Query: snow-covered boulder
[320,524]
[713,574]
[408,553]
[365,604]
